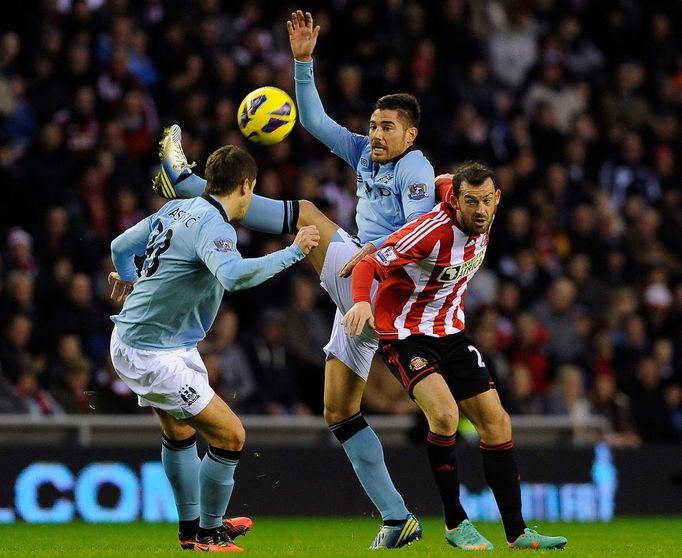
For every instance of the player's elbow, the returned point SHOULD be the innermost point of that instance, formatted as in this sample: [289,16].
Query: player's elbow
[233,284]
[117,246]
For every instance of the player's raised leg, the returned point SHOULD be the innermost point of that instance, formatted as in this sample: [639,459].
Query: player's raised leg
[176,179]
[501,472]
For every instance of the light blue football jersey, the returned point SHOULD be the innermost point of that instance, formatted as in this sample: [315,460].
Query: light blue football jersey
[389,195]
[191,258]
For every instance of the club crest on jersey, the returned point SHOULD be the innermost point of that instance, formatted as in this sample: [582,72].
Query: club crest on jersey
[417,363]
[189,394]
[224,245]
[417,191]
[386,256]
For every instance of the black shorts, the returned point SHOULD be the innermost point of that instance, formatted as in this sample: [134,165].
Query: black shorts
[454,357]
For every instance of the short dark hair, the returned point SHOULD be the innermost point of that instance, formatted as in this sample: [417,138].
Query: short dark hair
[405,103]
[472,172]
[227,168]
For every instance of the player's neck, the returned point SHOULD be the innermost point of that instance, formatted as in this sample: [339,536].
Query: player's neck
[229,203]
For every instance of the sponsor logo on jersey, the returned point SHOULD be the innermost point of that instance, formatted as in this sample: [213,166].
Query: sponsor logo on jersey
[417,363]
[456,272]
[386,178]
[386,255]
[224,245]
[189,394]
[417,191]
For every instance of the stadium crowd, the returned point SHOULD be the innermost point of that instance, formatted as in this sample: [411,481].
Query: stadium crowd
[578,309]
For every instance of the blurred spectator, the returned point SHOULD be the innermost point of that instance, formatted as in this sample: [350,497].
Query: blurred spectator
[568,397]
[513,48]
[19,254]
[71,388]
[14,345]
[649,407]
[628,175]
[307,333]
[80,313]
[80,125]
[18,297]
[278,391]
[614,406]
[110,394]
[237,380]
[631,344]
[556,313]
[32,397]
[530,350]
[521,398]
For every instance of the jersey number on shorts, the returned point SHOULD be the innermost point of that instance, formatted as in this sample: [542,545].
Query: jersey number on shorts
[479,357]
[151,265]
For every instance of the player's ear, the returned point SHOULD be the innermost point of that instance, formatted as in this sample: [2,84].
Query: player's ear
[412,134]
[245,186]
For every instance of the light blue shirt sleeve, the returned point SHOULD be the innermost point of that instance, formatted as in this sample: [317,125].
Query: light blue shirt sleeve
[129,244]
[340,140]
[216,246]
[417,185]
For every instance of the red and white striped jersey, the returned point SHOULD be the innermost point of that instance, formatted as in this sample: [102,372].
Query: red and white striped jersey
[423,271]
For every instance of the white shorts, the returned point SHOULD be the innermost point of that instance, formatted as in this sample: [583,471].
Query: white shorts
[354,352]
[174,381]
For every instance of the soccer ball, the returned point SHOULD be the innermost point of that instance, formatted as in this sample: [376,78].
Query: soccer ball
[266,115]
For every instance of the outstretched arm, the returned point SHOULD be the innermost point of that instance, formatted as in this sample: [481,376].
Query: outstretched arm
[303,38]
[217,248]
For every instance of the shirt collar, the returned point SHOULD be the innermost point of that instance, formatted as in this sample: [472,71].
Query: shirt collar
[215,203]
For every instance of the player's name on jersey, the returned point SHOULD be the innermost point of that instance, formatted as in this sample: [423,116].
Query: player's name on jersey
[184,216]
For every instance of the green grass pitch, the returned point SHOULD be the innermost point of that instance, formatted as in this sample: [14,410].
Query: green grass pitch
[331,537]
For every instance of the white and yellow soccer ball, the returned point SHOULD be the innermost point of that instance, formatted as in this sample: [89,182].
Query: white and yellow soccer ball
[266,115]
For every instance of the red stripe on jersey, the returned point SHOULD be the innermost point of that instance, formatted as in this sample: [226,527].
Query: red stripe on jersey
[439,328]
[421,231]
[428,294]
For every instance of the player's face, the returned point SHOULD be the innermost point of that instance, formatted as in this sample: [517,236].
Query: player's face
[476,206]
[388,136]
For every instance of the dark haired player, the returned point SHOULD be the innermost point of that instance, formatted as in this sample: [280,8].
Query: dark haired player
[423,271]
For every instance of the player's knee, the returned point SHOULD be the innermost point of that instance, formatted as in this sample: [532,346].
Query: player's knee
[504,423]
[443,421]
[233,438]
[497,426]
[308,214]
[334,414]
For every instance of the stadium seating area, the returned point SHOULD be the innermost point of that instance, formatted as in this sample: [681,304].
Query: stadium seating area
[579,308]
